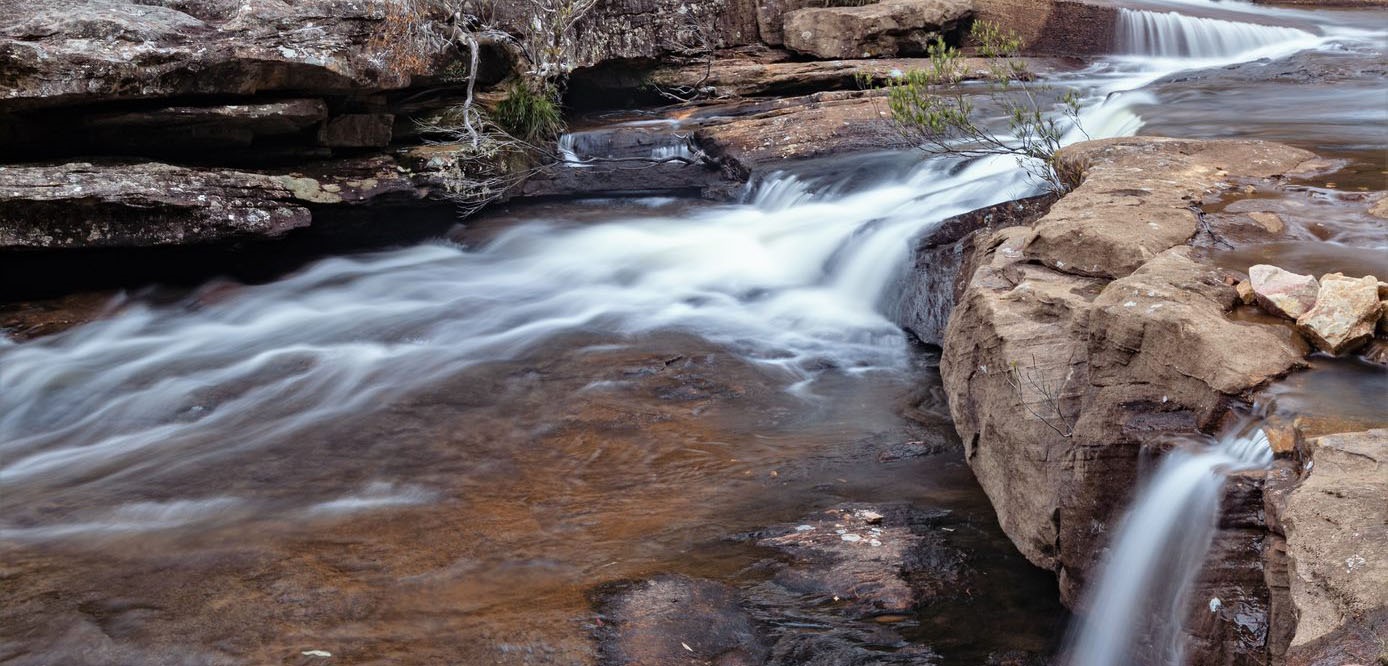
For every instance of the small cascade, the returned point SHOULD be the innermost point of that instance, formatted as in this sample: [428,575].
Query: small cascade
[1142,593]
[775,191]
[1174,35]
[567,151]
[642,140]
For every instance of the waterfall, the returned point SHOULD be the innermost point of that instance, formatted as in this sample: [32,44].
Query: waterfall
[1174,35]
[1142,591]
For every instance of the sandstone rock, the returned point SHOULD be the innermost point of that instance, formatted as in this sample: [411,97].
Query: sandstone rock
[771,18]
[1244,290]
[1336,523]
[737,76]
[941,263]
[215,125]
[135,204]
[800,128]
[1059,375]
[1116,219]
[1282,293]
[56,53]
[867,558]
[94,205]
[1344,315]
[619,30]
[885,28]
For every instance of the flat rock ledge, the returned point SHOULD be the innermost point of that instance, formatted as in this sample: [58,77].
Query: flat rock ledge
[141,204]
[1091,334]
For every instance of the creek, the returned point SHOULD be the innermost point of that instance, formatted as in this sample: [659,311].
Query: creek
[436,452]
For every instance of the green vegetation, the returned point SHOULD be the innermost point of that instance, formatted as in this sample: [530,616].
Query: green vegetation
[530,113]
[932,107]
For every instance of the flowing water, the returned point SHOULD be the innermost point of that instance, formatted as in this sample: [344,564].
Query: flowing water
[1142,593]
[394,454]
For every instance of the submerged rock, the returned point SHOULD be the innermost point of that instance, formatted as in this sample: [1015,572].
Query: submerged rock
[676,619]
[1345,313]
[886,28]
[1281,292]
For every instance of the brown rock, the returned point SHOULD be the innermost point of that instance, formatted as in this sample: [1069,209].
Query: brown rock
[941,263]
[1344,315]
[754,76]
[1058,377]
[1116,219]
[801,127]
[1336,523]
[886,28]
[1282,293]
[1065,27]
[81,204]
[1244,290]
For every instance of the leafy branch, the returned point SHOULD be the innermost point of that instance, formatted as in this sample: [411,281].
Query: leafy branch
[932,107]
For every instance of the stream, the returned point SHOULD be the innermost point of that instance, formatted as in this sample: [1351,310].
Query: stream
[435,453]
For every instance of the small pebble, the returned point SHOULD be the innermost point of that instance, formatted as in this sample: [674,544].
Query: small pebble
[851,538]
[803,528]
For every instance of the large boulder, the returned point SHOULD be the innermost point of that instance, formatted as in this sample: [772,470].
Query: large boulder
[1095,333]
[886,28]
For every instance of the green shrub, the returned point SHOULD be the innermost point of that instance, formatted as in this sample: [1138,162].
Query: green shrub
[933,108]
[529,113]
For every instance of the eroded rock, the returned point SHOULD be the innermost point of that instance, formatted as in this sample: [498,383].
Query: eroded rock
[56,53]
[1336,524]
[885,28]
[1095,333]
[1137,196]
[1345,313]
[1282,293]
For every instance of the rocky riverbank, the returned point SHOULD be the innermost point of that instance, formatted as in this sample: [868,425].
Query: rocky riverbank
[1083,340]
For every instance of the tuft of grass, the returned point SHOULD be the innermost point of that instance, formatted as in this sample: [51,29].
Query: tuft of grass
[529,113]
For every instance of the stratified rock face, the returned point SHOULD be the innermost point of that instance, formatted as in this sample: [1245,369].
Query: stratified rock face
[86,205]
[115,204]
[944,253]
[1336,524]
[54,52]
[1344,315]
[646,29]
[1092,333]
[1282,293]
[886,28]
